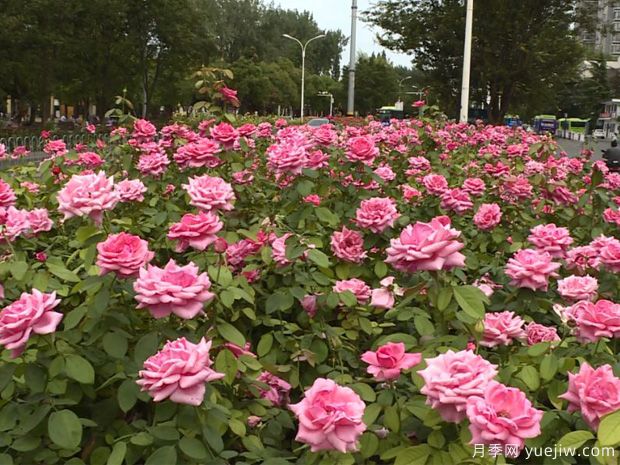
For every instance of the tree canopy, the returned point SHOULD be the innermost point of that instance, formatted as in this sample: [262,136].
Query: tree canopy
[521,50]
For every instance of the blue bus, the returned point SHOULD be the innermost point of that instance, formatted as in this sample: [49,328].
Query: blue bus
[545,123]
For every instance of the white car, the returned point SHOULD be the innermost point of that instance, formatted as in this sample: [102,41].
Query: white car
[598,134]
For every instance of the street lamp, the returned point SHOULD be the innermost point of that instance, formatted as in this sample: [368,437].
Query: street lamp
[469,18]
[303,67]
[400,85]
[331,100]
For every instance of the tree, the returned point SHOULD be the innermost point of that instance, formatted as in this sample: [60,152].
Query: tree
[376,83]
[519,52]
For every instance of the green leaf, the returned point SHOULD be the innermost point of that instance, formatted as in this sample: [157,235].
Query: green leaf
[391,419]
[146,346]
[366,392]
[162,456]
[371,413]
[231,334]
[64,429]
[318,257]
[226,363]
[264,345]
[127,395]
[369,444]
[115,344]
[19,269]
[538,349]
[381,269]
[193,448]
[326,216]
[529,375]
[548,367]
[6,459]
[609,429]
[73,318]
[79,369]
[444,298]
[236,427]
[415,455]
[471,300]
[63,273]
[423,325]
[575,439]
[118,454]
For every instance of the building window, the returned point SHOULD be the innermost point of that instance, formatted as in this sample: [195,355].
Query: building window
[616,13]
[617,26]
[615,49]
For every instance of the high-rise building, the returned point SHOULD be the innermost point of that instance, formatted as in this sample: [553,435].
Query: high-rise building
[605,38]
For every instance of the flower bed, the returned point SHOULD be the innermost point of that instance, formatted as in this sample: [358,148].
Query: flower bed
[421,293]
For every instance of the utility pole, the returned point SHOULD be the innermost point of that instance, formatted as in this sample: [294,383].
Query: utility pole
[466,61]
[351,99]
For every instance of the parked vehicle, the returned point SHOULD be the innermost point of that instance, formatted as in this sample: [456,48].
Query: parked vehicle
[598,133]
[545,123]
[577,125]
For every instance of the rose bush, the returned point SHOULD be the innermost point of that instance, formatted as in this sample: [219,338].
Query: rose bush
[214,293]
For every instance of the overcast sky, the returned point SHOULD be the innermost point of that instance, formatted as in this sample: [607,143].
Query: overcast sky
[336,14]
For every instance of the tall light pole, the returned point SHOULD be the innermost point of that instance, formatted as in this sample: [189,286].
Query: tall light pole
[303,67]
[400,85]
[466,61]
[324,93]
[351,97]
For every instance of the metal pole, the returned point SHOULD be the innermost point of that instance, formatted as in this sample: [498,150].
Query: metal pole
[351,99]
[466,61]
[331,105]
[303,77]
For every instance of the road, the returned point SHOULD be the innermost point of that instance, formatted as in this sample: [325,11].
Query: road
[573,148]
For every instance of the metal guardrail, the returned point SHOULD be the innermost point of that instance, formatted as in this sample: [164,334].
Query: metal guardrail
[35,145]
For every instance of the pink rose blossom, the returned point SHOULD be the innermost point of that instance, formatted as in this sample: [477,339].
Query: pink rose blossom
[488,216]
[582,258]
[532,269]
[451,378]
[595,320]
[88,195]
[348,245]
[502,415]
[456,200]
[540,333]
[277,389]
[123,254]
[550,238]
[130,190]
[225,134]
[359,288]
[278,247]
[435,183]
[173,289]
[313,199]
[308,303]
[7,195]
[609,253]
[426,246]
[593,392]
[501,329]
[578,287]
[39,220]
[389,360]
[143,130]
[362,149]
[153,163]
[196,231]
[32,313]
[474,186]
[202,152]
[179,372]
[210,193]
[330,417]
[239,351]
